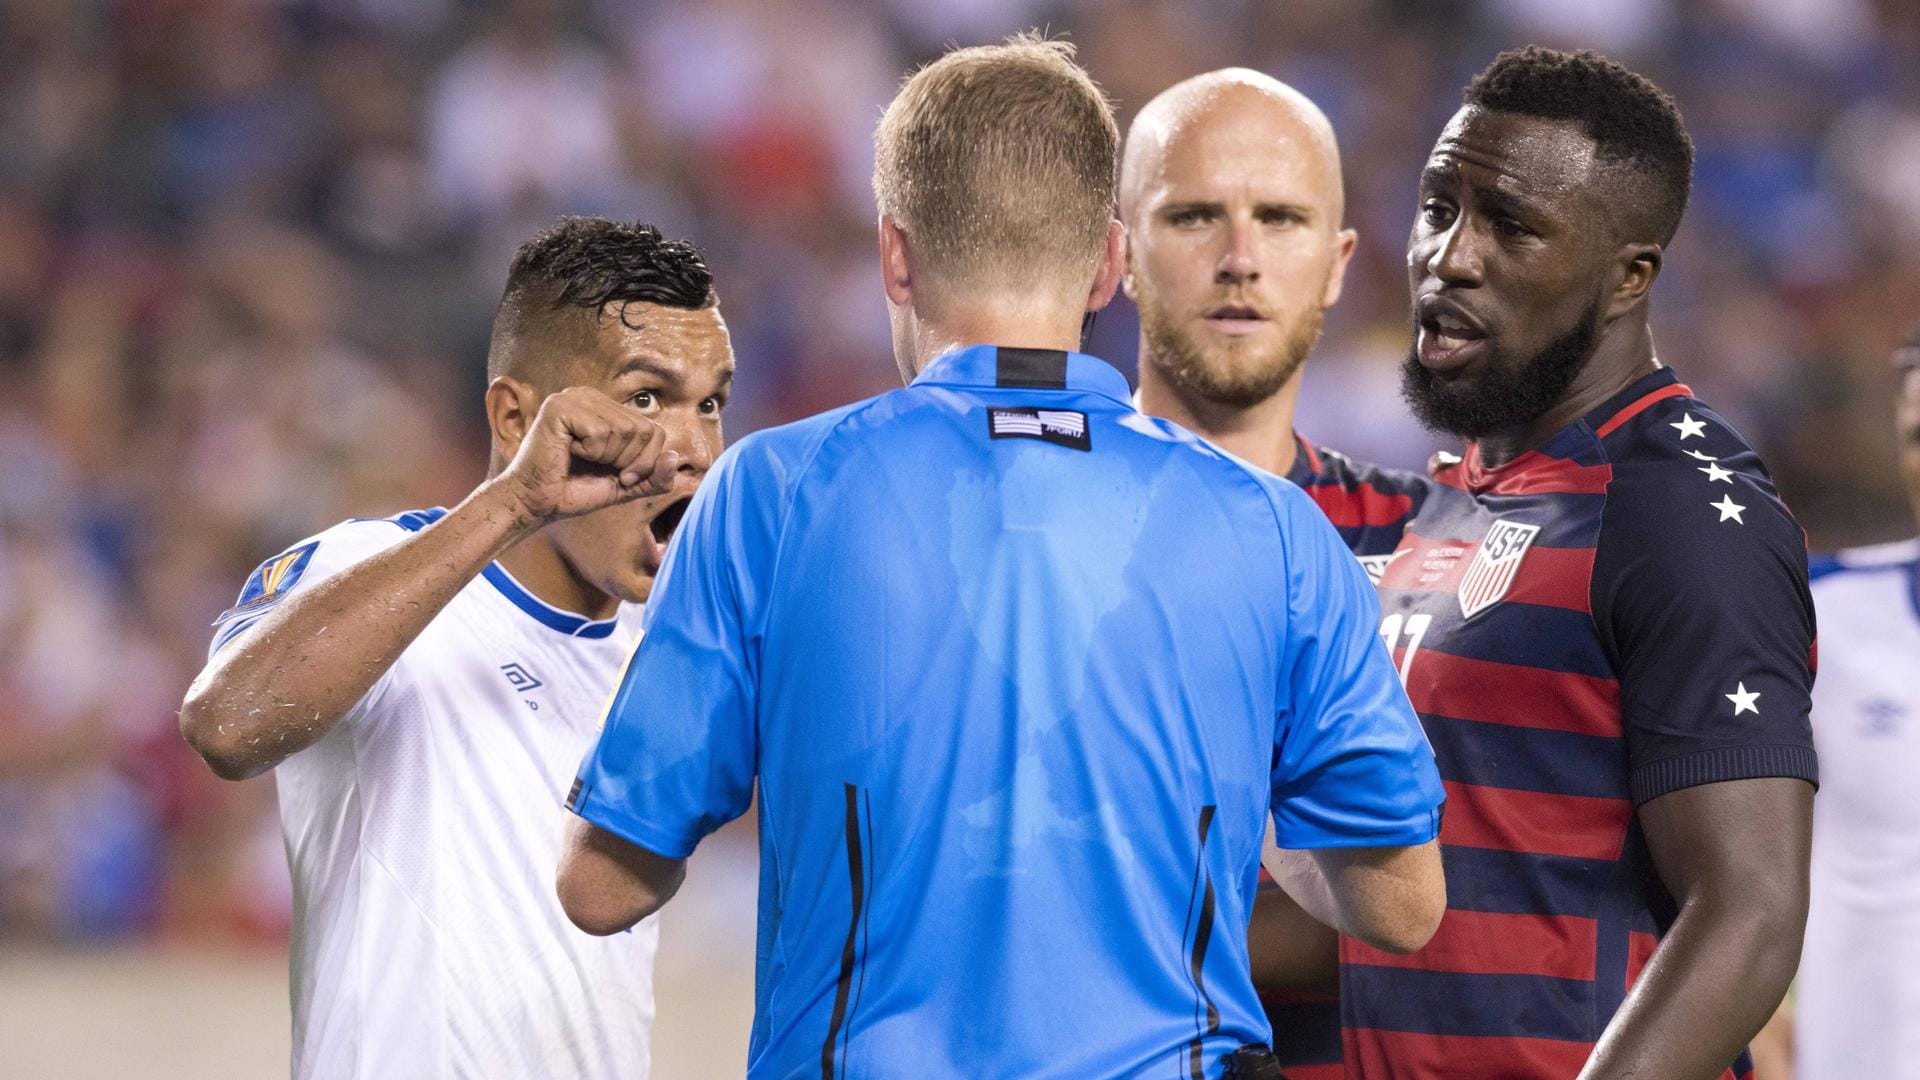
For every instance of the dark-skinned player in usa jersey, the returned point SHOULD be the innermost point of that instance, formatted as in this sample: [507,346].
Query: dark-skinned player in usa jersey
[1600,612]
[1601,784]
[1231,193]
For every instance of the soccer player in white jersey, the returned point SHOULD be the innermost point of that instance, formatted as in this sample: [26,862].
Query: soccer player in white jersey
[424,686]
[1857,1000]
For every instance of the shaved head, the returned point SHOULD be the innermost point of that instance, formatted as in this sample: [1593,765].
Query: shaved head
[1230,191]
[1229,104]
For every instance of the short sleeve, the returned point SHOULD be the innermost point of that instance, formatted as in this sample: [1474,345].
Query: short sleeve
[676,757]
[309,563]
[1700,597]
[1351,764]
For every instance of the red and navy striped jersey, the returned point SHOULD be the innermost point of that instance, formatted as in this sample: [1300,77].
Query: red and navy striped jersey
[1618,614]
[1370,507]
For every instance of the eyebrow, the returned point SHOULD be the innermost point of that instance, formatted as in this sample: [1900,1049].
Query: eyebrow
[645,366]
[1493,198]
[1505,202]
[1220,206]
[1299,210]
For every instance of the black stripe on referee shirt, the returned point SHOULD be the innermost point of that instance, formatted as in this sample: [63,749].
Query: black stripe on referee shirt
[829,1054]
[1202,934]
[1040,369]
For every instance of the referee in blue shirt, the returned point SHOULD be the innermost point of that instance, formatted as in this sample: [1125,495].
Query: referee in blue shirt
[1019,670]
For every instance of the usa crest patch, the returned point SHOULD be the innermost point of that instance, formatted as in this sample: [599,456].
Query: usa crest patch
[1490,575]
[270,582]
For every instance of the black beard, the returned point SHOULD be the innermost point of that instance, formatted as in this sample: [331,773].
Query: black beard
[1502,397]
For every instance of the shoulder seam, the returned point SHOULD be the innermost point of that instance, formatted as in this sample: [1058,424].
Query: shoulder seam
[799,475]
[1593,570]
[1279,529]
[431,515]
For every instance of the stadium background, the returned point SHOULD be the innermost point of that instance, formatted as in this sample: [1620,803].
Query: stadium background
[249,251]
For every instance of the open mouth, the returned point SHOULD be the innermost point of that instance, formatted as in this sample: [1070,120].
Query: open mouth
[1447,333]
[668,519]
[1450,333]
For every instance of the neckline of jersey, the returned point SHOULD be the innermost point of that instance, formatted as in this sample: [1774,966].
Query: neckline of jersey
[976,365]
[565,622]
[1913,585]
[1306,461]
[1611,413]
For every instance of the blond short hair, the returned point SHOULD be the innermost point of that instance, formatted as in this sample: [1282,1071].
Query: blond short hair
[999,163]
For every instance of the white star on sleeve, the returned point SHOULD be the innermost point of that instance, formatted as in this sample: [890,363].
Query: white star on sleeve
[1729,510]
[1744,700]
[1698,456]
[1715,472]
[1690,428]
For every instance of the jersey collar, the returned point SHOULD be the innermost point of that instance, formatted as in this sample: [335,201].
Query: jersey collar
[564,621]
[1913,585]
[1029,369]
[1306,462]
[1574,443]
[1639,396]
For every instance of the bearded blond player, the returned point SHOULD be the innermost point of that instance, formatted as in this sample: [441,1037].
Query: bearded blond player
[1230,191]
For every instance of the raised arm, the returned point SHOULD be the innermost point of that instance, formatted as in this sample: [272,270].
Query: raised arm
[1734,855]
[298,670]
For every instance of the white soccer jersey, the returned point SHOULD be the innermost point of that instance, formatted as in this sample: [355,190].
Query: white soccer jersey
[1857,1011]
[423,834]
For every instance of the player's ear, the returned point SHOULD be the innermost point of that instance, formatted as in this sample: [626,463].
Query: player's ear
[511,407]
[1343,242]
[894,271]
[1113,266]
[1636,265]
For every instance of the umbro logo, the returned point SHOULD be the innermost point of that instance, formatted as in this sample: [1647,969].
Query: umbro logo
[1062,427]
[520,678]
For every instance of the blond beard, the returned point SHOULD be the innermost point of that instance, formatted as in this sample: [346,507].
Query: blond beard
[1212,374]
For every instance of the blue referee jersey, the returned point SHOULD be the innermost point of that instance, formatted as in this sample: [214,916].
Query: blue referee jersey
[1019,671]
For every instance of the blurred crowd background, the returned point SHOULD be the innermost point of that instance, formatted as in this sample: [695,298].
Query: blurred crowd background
[249,251]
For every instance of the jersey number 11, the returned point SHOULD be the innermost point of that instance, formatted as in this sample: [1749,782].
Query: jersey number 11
[1416,629]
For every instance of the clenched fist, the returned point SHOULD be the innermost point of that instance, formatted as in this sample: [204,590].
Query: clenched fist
[586,451]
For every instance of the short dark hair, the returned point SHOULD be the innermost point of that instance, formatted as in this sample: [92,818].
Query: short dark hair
[1633,124]
[562,280]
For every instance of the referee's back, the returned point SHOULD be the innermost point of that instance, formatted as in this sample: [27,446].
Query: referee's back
[1017,668]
